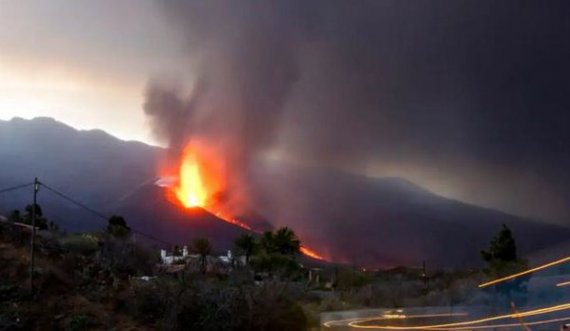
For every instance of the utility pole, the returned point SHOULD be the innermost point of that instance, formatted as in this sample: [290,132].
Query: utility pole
[36,189]
[425,277]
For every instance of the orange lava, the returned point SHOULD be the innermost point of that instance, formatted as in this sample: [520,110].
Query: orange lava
[191,190]
[201,179]
[311,253]
[233,220]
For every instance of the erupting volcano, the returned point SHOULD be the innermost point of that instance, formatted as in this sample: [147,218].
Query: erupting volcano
[200,180]
[201,183]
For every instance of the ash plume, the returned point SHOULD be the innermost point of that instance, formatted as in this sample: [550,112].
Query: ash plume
[444,93]
[245,68]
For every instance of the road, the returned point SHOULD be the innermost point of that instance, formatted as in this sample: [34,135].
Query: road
[447,318]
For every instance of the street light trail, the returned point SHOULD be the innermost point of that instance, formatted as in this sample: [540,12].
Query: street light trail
[389,317]
[464,325]
[526,272]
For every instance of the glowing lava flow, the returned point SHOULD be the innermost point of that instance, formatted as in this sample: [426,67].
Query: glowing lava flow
[304,249]
[200,178]
[311,253]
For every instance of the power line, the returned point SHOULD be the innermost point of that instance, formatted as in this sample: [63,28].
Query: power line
[13,188]
[152,237]
[34,207]
[75,202]
[98,214]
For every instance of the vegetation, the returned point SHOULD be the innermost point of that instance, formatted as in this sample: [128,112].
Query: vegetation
[118,227]
[207,304]
[284,241]
[78,323]
[501,257]
[247,245]
[203,247]
[502,248]
[502,260]
[94,281]
[276,254]
[176,251]
[41,222]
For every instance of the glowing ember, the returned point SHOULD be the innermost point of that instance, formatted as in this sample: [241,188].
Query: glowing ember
[200,180]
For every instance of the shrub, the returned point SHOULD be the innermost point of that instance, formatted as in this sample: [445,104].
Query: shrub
[124,258]
[149,301]
[209,304]
[77,323]
[80,244]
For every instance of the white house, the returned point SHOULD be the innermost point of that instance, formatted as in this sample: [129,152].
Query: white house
[170,258]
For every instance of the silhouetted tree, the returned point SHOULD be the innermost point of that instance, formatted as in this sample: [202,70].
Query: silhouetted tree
[53,226]
[502,260]
[176,251]
[286,242]
[30,209]
[247,244]
[203,247]
[278,250]
[15,216]
[267,243]
[502,248]
[41,222]
[117,227]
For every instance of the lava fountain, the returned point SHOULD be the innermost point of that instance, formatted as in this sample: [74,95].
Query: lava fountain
[196,186]
[191,191]
[201,183]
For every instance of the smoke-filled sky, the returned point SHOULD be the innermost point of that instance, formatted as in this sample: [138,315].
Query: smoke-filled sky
[467,98]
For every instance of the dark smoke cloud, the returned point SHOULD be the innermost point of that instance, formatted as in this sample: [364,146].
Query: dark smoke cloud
[172,116]
[477,90]
[245,60]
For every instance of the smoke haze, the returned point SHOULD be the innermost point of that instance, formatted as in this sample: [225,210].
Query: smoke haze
[466,97]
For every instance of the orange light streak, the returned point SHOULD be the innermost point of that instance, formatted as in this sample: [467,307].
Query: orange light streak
[508,325]
[470,323]
[563,284]
[526,272]
[390,317]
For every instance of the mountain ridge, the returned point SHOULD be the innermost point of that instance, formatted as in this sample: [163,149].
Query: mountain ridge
[364,220]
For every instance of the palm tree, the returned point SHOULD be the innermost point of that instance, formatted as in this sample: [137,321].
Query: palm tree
[247,244]
[267,242]
[203,247]
[286,242]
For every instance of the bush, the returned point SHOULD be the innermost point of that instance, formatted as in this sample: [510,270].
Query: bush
[10,318]
[77,323]
[149,301]
[80,244]
[273,307]
[275,264]
[124,258]
[350,278]
[209,304]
